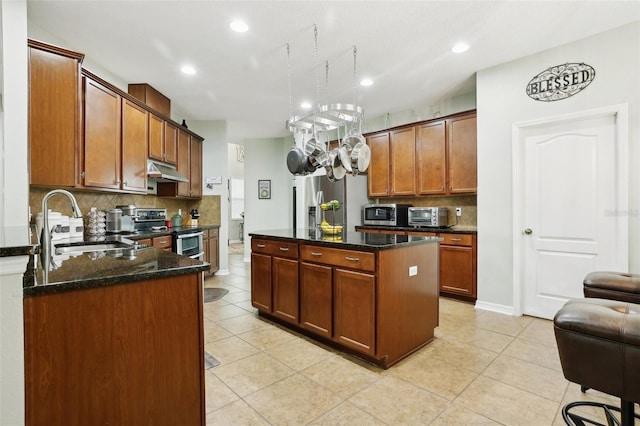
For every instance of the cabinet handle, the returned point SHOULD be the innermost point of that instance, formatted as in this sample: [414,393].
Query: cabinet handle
[316,254]
[261,245]
[353,259]
[284,248]
[456,239]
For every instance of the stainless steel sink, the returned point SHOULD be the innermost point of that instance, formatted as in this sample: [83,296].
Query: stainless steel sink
[89,246]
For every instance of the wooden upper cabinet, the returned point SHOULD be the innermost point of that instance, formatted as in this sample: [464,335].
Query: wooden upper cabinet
[431,158]
[170,143]
[184,162]
[156,137]
[134,147]
[462,155]
[195,174]
[54,115]
[378,172]
[101,136]
[403,161]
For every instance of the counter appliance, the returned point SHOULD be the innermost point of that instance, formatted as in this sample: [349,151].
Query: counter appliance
[385,214]
[434,217]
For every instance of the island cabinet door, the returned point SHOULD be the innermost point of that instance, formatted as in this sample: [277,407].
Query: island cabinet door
[316,296]
[354,310]
[285,289]
[261,282]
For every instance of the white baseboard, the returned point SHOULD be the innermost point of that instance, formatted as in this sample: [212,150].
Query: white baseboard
[495,307]
[234,241]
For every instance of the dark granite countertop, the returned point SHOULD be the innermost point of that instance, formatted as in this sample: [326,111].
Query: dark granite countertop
[449,230]
[351,240]
[96,269]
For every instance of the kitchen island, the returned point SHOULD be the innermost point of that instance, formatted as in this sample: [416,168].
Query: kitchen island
[372,295]
[115,337]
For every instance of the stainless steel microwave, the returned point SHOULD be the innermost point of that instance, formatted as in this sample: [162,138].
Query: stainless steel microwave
[436,217]
[385,214]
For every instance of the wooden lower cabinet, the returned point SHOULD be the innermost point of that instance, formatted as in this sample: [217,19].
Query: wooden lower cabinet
[122,354]
[211,242]
[285,288]
[316,298]
[274,278]
[354,309]
[458,264]
[261,281]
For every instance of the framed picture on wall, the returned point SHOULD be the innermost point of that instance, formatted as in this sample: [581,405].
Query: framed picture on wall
[264,189]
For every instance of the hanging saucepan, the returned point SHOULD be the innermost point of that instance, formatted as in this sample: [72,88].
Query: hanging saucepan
[360,157]
[344,151]
[334,168]
[296,161]
[318,157]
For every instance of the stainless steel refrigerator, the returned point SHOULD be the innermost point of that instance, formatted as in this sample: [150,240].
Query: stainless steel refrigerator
[350,192]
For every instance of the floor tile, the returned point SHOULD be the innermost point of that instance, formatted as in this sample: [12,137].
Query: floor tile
[500,323]
[506,404]
[230,349]
[242,323]
[237,296]
[540,331]
[535,353]
[341,376]
[252,373]
[486,339]
[541,381]
[346,414]
[213,332]
[437,376]
[217,394]
[461,354]
[264,338]
[216,312]
[295,400]
[238,413]
[299,353]
[396,402]
[457,415]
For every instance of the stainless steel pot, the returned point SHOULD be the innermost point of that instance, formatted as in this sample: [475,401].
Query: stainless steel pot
[335,169]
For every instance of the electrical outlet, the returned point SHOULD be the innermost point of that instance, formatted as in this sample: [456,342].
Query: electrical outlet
[413,270]
[458,211]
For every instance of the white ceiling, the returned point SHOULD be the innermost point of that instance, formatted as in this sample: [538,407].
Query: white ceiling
[404,46]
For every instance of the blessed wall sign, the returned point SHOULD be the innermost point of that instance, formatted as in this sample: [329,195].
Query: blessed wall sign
[560,82]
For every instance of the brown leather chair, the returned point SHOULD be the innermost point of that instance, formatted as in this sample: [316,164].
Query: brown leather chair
[613,285]
[599,346]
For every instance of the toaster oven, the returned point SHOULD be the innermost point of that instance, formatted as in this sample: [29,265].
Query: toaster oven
[436,217]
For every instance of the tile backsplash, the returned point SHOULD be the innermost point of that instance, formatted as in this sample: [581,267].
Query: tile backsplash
[208,206]
[468,203]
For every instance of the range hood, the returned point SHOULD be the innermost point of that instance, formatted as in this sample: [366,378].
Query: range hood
[163,173]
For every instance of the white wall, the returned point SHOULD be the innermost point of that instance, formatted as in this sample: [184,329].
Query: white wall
[214,163]
[14,185]
[266,159]
[502,101]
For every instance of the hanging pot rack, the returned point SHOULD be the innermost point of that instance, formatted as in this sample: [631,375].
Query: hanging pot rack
[324,118]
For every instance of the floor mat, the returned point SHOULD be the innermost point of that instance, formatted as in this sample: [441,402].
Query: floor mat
[210,361]
[213,294]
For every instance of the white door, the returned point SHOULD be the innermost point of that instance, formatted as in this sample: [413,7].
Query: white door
[570,209]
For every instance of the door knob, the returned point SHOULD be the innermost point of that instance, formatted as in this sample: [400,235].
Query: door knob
[528,231]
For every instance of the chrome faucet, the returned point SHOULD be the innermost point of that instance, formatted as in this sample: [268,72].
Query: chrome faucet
[45,243]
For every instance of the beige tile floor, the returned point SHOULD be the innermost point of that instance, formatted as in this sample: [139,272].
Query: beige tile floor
[482,368]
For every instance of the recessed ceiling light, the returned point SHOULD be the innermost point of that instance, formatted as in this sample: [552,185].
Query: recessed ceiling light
[188,69]
[366,82]
[460,47]
[305,105]
[239,26]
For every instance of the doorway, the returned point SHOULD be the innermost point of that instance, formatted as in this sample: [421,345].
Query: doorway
[569,203]
[236,199]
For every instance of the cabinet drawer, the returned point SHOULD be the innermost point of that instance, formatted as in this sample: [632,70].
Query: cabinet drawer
[162,242]
[275,248]
[339,257]
[457,239]
[213,233]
